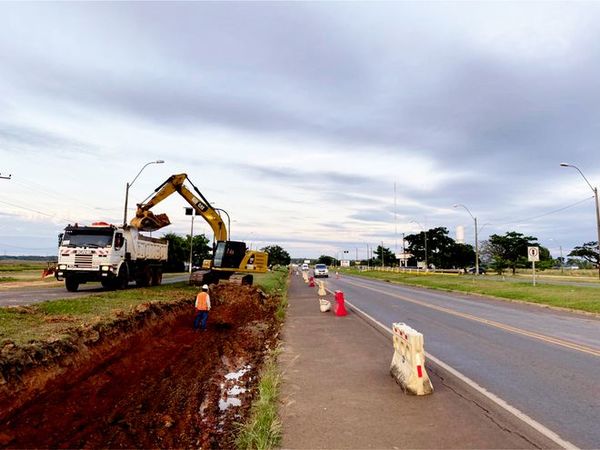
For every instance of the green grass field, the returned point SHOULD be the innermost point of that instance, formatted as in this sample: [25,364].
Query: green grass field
[580,298]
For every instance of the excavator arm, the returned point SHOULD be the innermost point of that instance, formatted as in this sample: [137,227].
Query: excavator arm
[146,220]
[230,257]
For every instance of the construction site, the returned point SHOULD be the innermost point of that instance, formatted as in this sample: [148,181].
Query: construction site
[146,380]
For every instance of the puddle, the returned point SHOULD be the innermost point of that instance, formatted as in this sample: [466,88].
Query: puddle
[229,401]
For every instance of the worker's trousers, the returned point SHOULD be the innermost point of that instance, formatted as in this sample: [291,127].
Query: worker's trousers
[200,321]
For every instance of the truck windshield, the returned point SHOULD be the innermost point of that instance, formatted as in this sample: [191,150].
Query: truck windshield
[86,240]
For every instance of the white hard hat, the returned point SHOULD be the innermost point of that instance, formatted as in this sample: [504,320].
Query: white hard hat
[205,287]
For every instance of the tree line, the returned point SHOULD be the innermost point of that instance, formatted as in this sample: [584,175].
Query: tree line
[179,252]
[499,253]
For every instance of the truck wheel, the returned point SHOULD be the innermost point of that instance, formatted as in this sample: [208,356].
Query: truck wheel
[122,280]
[71,284]
[144,277]
[156,277]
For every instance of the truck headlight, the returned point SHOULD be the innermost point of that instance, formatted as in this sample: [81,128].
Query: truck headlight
[62,267]
[105,268]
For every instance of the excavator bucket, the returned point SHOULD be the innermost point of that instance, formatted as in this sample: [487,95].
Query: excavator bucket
[149,221]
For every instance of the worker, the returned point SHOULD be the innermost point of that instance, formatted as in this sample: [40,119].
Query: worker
[202,308]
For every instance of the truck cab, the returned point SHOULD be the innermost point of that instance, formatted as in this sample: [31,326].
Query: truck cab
[108,254]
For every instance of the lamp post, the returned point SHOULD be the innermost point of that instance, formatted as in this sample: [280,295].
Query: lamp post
[228,222]
[595,191]
[425,236]
[160,161]
[476,238]
[191,212]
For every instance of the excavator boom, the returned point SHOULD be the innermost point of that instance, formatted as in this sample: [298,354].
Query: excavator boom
[229,256]
[146,220]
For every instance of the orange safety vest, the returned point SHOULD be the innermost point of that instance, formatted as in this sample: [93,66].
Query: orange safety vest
[201,301]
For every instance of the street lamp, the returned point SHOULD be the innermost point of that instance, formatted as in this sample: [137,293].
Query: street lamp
[425,235]
[160,161]
[595,191]
[476,239]
[561,254]
[228,222]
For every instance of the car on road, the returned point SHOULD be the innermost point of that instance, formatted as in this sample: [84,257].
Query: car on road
[321,271]
[304,266]
[472,270]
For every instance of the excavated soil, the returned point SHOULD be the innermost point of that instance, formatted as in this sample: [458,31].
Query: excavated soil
[148,381]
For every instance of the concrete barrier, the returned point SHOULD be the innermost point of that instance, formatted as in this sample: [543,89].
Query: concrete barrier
[408,362]
[305,277]
[324,305]
[322,291]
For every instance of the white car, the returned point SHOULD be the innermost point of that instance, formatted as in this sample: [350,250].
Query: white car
[304,266]
[321,271]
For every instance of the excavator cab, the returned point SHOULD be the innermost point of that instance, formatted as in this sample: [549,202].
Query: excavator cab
[229,254]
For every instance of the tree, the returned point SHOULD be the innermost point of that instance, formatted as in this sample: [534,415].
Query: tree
[327,260]
[588,251]
[200,249]
[442,250]
[277,255]
[510,250]
[178,249]
[388,256]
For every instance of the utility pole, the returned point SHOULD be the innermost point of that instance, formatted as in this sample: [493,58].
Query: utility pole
[595,191]
[382,258]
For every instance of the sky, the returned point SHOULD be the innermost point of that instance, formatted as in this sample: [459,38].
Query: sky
[321,127]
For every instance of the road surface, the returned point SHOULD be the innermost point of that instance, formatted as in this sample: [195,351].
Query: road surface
[541,361]
[27,296]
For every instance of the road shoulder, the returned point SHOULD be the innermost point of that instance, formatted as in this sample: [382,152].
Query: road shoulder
[337,391]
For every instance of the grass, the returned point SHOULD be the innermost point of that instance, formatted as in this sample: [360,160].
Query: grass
[8,279]
[21,266]
[263,429]
[581,298]
[275,283]
[51,320]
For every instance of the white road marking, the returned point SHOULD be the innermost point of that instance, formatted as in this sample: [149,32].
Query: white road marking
[489,395]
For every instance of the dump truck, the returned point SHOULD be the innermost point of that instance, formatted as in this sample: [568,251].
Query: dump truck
[112,255]
[232,260]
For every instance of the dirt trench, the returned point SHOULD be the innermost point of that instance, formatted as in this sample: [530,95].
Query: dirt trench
[160,385]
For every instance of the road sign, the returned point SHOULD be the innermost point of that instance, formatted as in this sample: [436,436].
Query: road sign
[533,254]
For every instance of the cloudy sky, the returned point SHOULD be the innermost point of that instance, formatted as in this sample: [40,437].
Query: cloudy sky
[299,119]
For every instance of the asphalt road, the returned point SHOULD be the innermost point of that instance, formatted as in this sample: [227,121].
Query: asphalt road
[542,361]
[27,296]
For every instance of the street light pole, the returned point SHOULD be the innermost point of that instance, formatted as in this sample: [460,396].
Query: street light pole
[595,191]
[424,231]
[160,161]
[192,241]
[476,238]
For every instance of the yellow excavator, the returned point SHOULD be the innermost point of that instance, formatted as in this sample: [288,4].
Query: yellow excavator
[231,259]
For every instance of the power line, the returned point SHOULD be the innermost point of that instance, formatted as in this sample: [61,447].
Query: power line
[37,212]
[545,214]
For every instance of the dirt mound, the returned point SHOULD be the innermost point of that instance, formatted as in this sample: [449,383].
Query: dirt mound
[146,381]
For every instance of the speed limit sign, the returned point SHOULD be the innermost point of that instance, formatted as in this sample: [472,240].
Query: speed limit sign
[533,254]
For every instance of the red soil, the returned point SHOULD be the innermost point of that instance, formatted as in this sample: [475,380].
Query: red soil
[159,387]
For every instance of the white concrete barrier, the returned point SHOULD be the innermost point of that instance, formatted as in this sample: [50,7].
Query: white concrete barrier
[325,305]
[322,291]
[408,363]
